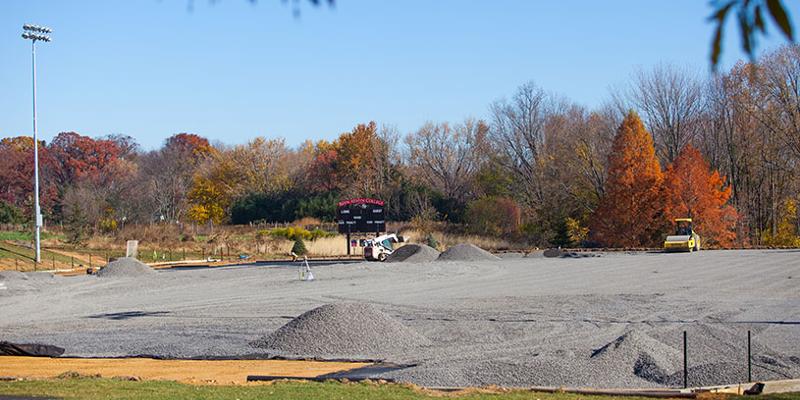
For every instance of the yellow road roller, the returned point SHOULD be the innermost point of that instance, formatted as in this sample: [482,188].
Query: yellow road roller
[684,239]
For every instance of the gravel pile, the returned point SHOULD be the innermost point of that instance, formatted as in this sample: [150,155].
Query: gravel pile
[639,353]
[125,267]
[467,252]
[416,253]
[354,331]
[13,282]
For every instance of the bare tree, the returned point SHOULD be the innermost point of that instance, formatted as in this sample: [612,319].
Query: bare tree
[446,157]
[670,100]
[518,132]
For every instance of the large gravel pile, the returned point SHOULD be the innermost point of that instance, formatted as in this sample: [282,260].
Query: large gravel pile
[414,253]
[467,252]
[357,331]
[125,267]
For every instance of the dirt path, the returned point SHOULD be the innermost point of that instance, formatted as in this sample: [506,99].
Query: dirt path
[187,371]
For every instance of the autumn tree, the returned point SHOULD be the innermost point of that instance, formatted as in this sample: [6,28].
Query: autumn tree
[168,174]
[696,191]
[630,214]
[16,183]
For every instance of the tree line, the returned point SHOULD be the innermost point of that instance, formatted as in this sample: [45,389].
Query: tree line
[540,168]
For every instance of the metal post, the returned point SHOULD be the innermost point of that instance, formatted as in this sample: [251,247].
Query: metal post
[54,261]
[37,217]
[348,238]
[16,263]
[685,369]
[749,360]
[90,260]
[72,261]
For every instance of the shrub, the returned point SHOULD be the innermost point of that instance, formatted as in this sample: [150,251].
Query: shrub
[299,247]
[493,216]
[431,241]
[10,214]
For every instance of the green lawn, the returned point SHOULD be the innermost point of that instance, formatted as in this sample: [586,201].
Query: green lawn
[25,236]
[96,388]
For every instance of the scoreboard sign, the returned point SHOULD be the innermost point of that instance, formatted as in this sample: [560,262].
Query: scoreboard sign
[361,216]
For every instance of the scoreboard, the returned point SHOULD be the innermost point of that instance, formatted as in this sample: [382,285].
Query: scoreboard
[361,215]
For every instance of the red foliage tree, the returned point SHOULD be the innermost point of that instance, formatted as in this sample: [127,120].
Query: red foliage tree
[188,146]
[16,178]
[693,190]
[630,213]
[80,157]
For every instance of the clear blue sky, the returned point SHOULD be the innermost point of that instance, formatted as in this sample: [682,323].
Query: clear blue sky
[231,70]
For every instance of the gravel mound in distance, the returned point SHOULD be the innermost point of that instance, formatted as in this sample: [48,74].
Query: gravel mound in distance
[125,267]
[355,331]
[467,252]
[414,253]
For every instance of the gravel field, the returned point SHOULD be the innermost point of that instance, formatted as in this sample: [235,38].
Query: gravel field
[610,321]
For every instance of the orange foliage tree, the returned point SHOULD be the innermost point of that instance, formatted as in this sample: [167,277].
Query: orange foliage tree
[630,213]
[693,190]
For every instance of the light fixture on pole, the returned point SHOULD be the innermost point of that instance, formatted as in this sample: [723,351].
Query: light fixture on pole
[36,33]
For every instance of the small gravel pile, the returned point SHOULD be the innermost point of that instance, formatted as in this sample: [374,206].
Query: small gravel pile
[125,267]
[355,331]
[635,351]
[467,252]
[416,253]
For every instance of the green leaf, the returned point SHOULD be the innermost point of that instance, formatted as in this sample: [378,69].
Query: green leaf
[716,46]
[759,21]
[747,35]
[781,18]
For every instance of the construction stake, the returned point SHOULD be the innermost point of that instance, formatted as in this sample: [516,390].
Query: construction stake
[749,360]
[685,369]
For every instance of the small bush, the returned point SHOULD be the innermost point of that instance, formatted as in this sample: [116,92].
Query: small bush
[294,233]
[299,247]
[431,241]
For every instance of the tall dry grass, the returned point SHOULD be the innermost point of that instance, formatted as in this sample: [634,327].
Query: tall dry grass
[447,240]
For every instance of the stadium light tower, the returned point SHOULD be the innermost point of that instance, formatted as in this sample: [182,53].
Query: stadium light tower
[36,33]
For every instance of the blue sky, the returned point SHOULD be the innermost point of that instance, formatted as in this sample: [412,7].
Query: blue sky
[231,70]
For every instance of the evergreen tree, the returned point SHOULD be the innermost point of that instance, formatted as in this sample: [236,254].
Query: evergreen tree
[299,247]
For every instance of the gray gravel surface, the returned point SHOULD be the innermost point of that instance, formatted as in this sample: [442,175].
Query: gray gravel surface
[467,252]
[125,267]
[15,282]
[414,253]
[611,321]
[354,331]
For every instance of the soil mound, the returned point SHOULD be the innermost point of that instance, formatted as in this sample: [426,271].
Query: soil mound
[356,331]
[467,252]
[125,267]
[414,253]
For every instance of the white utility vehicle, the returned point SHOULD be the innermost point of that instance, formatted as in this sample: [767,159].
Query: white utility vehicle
[379,248]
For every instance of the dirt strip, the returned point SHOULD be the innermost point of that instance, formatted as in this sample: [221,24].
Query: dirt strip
[201,372]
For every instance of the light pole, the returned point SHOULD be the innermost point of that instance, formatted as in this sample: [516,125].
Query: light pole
[34,33]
